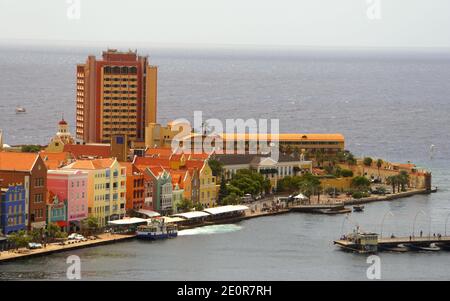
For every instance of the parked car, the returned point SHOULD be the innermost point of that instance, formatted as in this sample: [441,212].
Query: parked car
[72,236]
[33,245]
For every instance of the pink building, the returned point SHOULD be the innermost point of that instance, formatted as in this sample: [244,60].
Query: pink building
[70,186]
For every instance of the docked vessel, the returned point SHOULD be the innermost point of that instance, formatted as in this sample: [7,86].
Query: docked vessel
[157,229]
[429,248]
[359,241]
[358,208]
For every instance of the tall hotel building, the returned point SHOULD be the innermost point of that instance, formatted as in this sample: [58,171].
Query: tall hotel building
[116,95]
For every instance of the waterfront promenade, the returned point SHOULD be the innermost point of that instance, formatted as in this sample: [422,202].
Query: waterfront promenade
[102,239]
[255,211]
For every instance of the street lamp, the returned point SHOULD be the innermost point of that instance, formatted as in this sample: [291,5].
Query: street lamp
[415,218]
[347,218]
[446,221]
[382,222]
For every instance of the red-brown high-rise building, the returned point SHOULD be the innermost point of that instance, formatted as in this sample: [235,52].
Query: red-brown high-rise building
[116,95]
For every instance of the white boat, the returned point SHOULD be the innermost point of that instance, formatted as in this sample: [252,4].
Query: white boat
[157,229]
[20,109]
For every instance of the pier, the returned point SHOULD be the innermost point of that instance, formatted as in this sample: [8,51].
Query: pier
[370,243]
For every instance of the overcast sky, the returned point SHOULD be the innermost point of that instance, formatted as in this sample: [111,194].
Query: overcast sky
[329,23]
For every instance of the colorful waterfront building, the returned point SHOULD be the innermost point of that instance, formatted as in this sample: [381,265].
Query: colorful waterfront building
[115,95]
[57,211]
[162,189]
[30,170]
[135,195]
[12,209]
[69,187]
[208,191]
[106,188]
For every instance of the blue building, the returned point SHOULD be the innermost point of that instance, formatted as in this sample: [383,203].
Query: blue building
[12,209]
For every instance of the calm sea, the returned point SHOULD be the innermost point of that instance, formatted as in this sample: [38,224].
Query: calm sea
[388,104]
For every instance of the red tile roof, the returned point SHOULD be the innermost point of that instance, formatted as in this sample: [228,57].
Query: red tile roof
[17,161]
[88,150]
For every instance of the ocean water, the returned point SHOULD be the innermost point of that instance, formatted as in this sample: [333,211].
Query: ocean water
[388,104]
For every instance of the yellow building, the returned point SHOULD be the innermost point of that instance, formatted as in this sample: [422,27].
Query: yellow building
[106,188]
[207,189]
[61,138]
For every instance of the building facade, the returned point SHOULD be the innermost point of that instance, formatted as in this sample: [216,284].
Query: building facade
[61,138]
[116,95]
[57,212]
[135,195]
[106,188]
[12,209]
[30,170]
[71,188]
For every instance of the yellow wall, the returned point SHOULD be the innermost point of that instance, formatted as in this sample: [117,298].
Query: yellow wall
[207,187]
[338,183]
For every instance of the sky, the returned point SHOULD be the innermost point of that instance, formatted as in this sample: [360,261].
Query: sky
[320,23]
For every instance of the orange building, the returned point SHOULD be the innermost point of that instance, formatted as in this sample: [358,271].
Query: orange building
[116,95]
[135,186]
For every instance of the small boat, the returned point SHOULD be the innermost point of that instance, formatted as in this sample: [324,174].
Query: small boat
[20,109]
[358,208]
[399,248]
[431,248]
[157,229]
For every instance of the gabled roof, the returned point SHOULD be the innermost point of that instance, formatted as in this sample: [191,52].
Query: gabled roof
[55,160]
[17,161]
[149,161]
[162,152]
[91,164]
[89,150]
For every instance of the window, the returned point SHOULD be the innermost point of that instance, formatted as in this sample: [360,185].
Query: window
[39,182]
[38,198]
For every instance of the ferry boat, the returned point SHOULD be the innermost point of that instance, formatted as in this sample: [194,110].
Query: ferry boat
[358,241]
[157,229]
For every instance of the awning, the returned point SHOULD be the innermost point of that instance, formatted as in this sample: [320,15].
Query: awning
[192,214]
[127,221]
[148,213]
[226,209]
[62,223]
[300,196]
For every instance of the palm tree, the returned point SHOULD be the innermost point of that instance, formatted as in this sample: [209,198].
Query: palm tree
[379,164]
[392,180]
[403,178]
[367,162]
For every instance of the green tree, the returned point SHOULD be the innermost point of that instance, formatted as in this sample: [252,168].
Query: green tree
[249,181]
[199,206]
[393,181]
[19,239]
[346,173]
[308,185]
[53,230]
[223,191]
[185,205]
[30,148]
[379,164]
[367,161]
[360,183]
[232,199]
[403,179]
[216,167]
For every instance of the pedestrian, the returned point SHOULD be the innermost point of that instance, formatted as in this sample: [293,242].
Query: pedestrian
[421,233]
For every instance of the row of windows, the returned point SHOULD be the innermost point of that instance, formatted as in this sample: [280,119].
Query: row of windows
[78,184]
[110,79]
[119,92]
[15,220]
[119,116]
[129,135]
[107,104]
[119,111]
[119,70]
[39,182]
[15,209]
[119,86]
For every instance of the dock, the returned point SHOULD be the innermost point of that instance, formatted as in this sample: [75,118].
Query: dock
[370,243]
